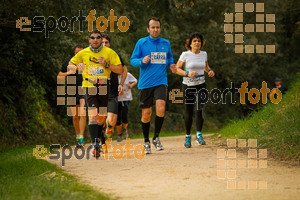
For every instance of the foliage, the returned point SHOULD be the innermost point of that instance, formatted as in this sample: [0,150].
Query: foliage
[30,62]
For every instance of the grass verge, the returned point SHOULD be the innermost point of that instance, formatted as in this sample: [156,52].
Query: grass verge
[25,177]
[276,126]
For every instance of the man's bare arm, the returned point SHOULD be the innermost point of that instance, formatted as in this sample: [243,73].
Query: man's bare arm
[62,74]
[123,78]
[124,75]
[132,84]
[71,68]
[116,68]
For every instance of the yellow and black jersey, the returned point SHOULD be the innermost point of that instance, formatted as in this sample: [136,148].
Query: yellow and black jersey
[93,69]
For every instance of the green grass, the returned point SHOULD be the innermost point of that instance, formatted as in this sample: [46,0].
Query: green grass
[25,177]
[276,126]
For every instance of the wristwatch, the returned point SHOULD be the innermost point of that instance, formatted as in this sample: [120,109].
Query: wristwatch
[186,73]
[107,65]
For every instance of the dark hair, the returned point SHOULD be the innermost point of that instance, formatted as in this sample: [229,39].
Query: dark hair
[191,37]
[79,46]
[153,18]
[95,31]
[277,79]
[106,37]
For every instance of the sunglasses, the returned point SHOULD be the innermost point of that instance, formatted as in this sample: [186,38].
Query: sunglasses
[93,37]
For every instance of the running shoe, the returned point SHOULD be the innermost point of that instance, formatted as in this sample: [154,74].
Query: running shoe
[125,134]
[147,147]
[187,143]
[157,144]
[120,138]
[96,150]
[81,141]
[199,140]
[79,144]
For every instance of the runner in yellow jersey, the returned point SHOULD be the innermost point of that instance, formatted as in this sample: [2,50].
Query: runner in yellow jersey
[98,62]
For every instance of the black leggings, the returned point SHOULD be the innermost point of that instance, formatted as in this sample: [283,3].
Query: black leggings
[189,99]
[123,107]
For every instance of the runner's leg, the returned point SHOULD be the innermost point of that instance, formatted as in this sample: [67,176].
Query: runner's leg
[100,134]
[93,125]
[119,118]
[159,119]
[111,120]
[199,113]
[199,120]
[146,103]
[188,118]
[82,120]
[74,110]
[146,114]
[125,118]
[160,97]
[188,100]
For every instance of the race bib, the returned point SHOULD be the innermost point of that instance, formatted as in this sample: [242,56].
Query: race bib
[158,57]
[94,71]
[195,81]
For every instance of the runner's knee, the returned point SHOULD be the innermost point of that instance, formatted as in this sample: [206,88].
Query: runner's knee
[100,120]
[146,118]
[75,117]
[146,114]
[93,118]
[160,111]
[82,111]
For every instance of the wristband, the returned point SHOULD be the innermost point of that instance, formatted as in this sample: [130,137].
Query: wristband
[107,65]
[186,73]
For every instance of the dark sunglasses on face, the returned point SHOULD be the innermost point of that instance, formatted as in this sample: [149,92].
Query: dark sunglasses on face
[93,37]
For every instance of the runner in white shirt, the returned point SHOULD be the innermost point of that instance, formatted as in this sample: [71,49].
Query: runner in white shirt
[195,64]
[123,106]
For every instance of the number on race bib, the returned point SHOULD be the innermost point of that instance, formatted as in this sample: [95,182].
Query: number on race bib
[158,57]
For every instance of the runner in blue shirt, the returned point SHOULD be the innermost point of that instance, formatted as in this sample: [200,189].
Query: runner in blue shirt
[152,55]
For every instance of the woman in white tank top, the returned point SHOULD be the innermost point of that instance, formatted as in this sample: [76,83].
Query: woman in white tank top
[191,65]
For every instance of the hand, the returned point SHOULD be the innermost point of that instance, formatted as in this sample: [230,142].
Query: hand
[120,90]
[173,68]
[129,86]
[101,60]
[146,59]
[81,66]
[192,74]
[211,73]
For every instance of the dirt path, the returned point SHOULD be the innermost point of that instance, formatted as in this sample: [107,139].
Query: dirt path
[180,173]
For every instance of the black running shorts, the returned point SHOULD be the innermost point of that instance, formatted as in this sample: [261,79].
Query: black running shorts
[97,101]
[113,105]
[148,96]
